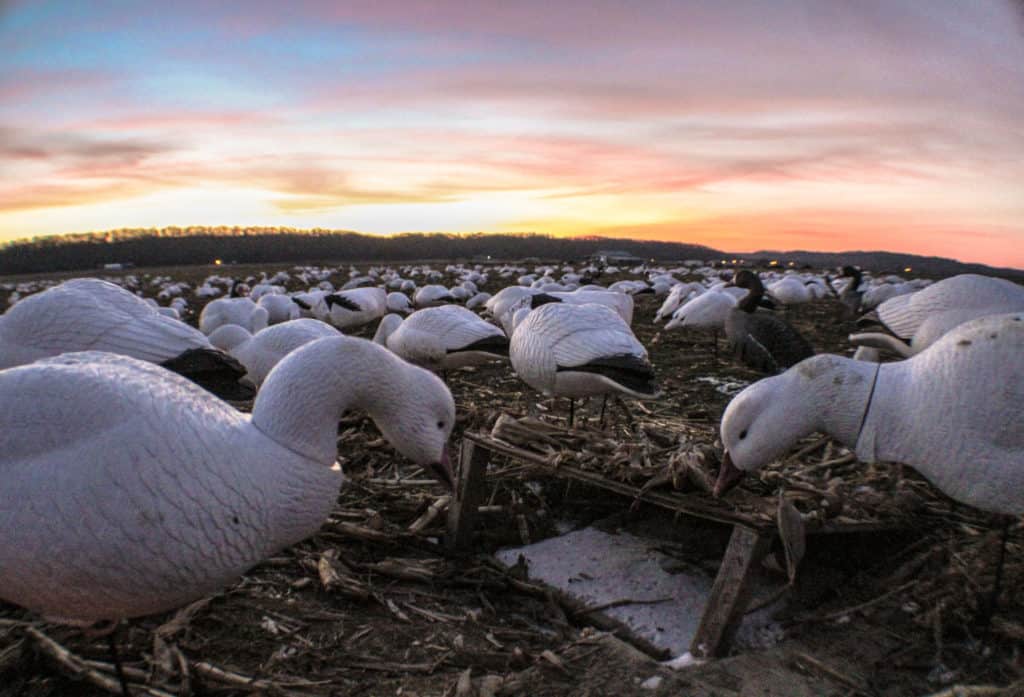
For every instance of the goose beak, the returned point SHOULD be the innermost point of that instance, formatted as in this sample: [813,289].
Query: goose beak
[728,476]
[443,471]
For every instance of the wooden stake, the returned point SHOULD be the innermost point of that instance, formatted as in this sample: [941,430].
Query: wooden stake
[469,494]
[730,592]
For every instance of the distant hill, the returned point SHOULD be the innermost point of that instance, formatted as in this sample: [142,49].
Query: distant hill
[886,262]
[172,246]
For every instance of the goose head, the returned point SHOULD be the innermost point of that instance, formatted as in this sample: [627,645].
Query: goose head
[760,425]
[419,424]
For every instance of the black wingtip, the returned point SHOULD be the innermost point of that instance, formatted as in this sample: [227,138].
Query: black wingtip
[214,371]
[497,345]
[344,302]
[631,371]
[542,299]
[302,303]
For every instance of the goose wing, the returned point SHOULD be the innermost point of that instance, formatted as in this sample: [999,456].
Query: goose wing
[92,315]
[456,327]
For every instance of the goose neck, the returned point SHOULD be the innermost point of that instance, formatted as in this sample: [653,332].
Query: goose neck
[305,395]
[839,391]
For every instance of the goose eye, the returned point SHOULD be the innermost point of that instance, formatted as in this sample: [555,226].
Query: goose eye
[440,425]
[743,434]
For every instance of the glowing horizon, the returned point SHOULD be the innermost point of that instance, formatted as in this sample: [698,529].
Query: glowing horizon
[891,126]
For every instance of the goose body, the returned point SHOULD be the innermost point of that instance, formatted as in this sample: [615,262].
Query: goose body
[984,295]
[580,351]
[951,411]
[762,341]
[443,338]
[677,296]
[355,307]
[129,491]
[260,352]
[88,314]
[432,296]
[790,291]
[706,311]
[280,308]
[241,311]
[399,302]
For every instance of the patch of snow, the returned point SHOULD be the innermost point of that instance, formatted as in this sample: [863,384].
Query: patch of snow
[724,385]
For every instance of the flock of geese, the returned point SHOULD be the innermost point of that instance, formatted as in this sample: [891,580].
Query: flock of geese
[131,488]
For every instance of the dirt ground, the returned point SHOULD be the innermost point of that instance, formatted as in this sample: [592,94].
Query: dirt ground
[372,606]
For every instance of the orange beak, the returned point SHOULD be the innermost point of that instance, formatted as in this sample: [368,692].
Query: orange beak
[728,476]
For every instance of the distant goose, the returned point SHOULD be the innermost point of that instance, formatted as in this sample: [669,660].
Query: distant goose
[235,310]
[432,296]
[790,290]
[89,314]
[706,311]
[952,412]
[355,307]
[985,295]
[760,340]
[280,308]
[852,292]
[580,351]
[477,301]
[204,491]
[443,338]
[677,296]
[260,352]
[399,302]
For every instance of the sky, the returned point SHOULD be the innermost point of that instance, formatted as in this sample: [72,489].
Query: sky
[784,124]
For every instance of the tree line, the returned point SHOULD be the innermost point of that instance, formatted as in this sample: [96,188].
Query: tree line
[202,245]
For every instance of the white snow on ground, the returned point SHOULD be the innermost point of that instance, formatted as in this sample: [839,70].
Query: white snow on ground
[597,567]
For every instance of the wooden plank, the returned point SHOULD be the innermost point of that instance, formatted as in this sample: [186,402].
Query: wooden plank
[730,592]
[696,505]
[469,494]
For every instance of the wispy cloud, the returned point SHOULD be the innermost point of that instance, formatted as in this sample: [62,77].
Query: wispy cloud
[801,123]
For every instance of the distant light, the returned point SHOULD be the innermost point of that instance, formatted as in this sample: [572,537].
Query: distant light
[773,262]
[907,269]
[725,261]
[792,263]
[488,257]
[217,262]
[734,261]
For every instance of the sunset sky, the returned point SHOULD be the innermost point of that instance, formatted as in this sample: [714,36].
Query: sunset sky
[782,124]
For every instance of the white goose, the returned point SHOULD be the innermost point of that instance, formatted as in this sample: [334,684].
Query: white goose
[241,311]
[260,352]
[443,338]
[985,295]
[89,314]
[706,311]
[351,308]
[952,412]
[129,491]
[580,351]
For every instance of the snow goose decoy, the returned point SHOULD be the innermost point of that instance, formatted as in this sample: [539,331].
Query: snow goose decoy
[760,340]
[706,311]
[89,314]
[351,308]
[204,491]
[260,352]
[952,412]
[443,338]
[235,310]
[579,351]
[984,295]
